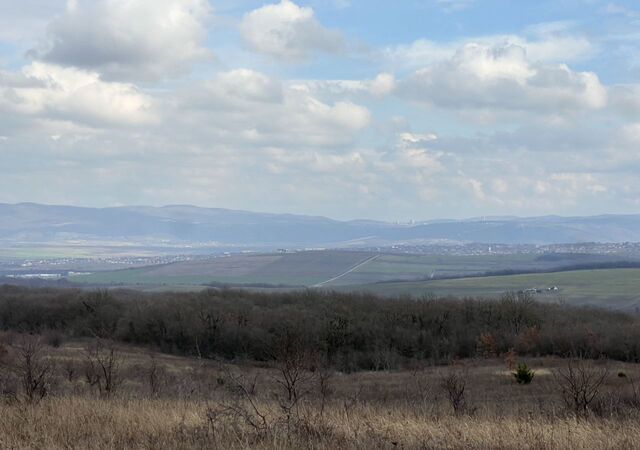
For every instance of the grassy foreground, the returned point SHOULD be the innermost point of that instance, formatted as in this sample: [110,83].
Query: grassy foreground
[80,422]
[195,404]
[236,370]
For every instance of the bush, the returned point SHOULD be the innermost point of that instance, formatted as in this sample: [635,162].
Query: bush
[523,374]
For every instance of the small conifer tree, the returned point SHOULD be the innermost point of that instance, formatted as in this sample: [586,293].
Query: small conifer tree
[523,374]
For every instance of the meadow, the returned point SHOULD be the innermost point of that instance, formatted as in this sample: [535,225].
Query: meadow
[307,369]
[162,401]
[393,275]
[607,288]
[292,269]
[333,268]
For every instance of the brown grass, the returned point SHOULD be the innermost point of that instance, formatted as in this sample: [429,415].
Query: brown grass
[81,422]
[197,407]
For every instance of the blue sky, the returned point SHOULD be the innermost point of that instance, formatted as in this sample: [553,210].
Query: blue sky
[344,108]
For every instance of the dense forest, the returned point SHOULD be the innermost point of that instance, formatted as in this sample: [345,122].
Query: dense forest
[347,331]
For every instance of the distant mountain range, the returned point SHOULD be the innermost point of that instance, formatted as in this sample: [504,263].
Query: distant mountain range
[189,225]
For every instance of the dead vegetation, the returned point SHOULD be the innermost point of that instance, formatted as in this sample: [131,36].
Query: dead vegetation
[162,401]
[257,377]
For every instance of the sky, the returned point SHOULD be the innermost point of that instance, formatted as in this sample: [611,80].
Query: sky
[389,110]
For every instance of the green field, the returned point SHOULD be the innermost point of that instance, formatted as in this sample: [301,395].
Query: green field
[45,252]
[384,274]
[291,269]
[390,267]
[611,288]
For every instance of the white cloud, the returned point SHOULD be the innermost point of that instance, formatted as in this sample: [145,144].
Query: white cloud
[625,99]
[247,106]
[568,185]
[21,20]
[288,31]
[502,78]
[379,87]
[242,138]
[540,44]
[383,84]
[454,5]
[52,92]
[413,153]
[128,39]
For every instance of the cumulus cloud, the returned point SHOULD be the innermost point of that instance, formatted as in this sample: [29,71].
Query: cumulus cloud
[379,87]
[57,93]
[244,138]
[20,21]
[542,44]
[287,31]
[245,105]
[502,78]
[128,39]
[625,100]
[383,84]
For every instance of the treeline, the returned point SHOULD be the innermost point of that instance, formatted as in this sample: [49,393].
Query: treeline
[36,282]
[346,330]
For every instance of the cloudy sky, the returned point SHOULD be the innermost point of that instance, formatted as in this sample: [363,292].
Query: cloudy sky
[394,110]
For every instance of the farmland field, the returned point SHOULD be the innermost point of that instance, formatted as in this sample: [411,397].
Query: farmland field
[610,288]
[44,252]
[393,267]
[293,269]
[329,268]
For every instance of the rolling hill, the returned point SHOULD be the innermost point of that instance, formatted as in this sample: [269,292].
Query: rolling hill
[607,288]
[184,226]
[292,269]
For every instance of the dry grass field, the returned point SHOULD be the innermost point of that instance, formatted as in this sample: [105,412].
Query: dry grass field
[161,401]
[81,423]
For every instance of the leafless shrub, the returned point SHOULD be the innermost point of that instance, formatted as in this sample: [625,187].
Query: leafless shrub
[634,398]
[155,375]
[294,378]
[352,400]
[580,384]
[297,374]
[103,364]
[324,376]
[70,370]
[420,391]
[243,406]
[454,384]
[33,367]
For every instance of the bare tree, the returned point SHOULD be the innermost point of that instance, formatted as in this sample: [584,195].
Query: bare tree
[103,366]
[294,375]
[242,406]
[155,374]
[580,384]
[33,367]
[454,385]
[420,391]
[70,370]
[324,376]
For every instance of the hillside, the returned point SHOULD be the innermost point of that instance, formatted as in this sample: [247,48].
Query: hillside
[188,226]
[607,288]
[291,269]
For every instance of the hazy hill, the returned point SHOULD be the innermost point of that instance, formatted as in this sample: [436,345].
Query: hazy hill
[183,224]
